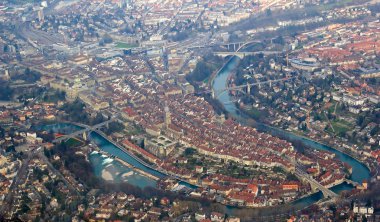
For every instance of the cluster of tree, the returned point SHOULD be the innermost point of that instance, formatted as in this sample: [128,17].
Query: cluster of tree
[367,117]
[114,127]
[106,39]
[39,173]
[291,177]
[28,93]
[362,121]
[189,151]
[218,106]
[46,136]
[83,172]
[271,18]
[205,68]
[6,92]
[375,8]
[55,96]
[29,76]
[203,71]
[180,36]
[76,113]
[279,40]
[255,114]
[258,62]
[2,132]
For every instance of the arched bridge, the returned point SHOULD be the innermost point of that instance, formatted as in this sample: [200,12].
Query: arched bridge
[84,132]
[243,54]
[236,46]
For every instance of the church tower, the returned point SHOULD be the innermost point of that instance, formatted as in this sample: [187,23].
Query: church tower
[6,75]
[167,116]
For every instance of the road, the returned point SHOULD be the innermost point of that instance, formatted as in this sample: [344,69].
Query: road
[85,130]
[6,209]
[71,187]
[300,173]
[9,200]
[38,37]
[217,93]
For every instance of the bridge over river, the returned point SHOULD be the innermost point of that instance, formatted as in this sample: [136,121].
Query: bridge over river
[248,86]
[96,128]
[315,184]
[244,54]
[85,131]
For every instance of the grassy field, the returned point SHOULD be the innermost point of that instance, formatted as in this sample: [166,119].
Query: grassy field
[73,142]
[335,5]
[124,45]
[330,106]
[254,113]
[340,126]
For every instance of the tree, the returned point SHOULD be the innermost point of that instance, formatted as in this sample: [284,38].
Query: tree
[279,40]
[189,151]
[268,12]
[201,72]
[374,130]
[99,118]
[114,127]
[360,120]
[2,132]
[106,39]
[291,177]
[6,92]
[180,36]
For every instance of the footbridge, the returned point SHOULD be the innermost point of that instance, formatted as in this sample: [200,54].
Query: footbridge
[352,182]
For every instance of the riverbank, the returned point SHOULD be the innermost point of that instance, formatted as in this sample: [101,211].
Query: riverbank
[215,74]
[318,142]
[136,169]
[242,117]
[138,163]
[108,176]
[360,170]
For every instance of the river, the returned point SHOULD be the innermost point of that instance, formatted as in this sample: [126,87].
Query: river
[359,171]
[120,172]
[104,165]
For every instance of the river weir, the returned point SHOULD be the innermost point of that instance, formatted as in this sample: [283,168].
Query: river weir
[109,162]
